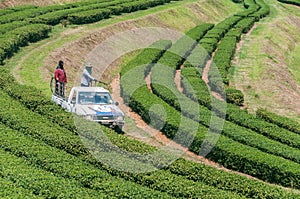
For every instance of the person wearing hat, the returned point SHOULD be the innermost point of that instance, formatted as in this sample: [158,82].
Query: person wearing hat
[86,77]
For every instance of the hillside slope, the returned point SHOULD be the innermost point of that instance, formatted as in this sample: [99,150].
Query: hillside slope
[39,137]
[266,68]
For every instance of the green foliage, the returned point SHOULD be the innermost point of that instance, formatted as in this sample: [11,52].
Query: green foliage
[245,151]
[216,33]
[223,56]
[234,96]
[227,180]
[209,47]
[66,166]
[13,40]
[267,129]
[163,86]
[4,28]
[20,118]
[2,56]
[228,23]
[184,47]
[217,78]
[293,2]
[232,27]
[9,10]
[235,32]
[196,89]
[139,65]
[246,24]
[40,182]
[263,11]
[170,58]
[89,16]
[209,40]
[19,16]
[227,152]
[281,121]
[235,153]
[92,15]
[31,12]
[55,17]
[8,190]
[33,99]
[198,32]
[191,72]
[26,24]
[249,3]
[197,59]
[37,150]
[188,189]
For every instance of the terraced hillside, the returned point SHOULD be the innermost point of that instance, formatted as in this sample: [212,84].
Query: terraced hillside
[181,85]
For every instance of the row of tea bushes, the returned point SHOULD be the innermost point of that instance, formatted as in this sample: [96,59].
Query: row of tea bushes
[163,86]
[240,117]
[228,33]
[227,152]
[8,189]
[23,13]
[53,18]
[281,121]
[40,182]
[93,15]
[293,2]
[181,50]
[11,41]
[64,164]
[256,190]
[30,25]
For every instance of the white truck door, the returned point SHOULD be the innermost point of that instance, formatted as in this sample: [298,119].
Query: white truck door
[71,101]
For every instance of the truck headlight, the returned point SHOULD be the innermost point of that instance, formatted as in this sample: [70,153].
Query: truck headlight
[120,118]
[89,117]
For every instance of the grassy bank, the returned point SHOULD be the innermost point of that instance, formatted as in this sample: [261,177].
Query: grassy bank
[266,67]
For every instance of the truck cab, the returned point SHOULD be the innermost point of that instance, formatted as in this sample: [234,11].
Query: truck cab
[92,103]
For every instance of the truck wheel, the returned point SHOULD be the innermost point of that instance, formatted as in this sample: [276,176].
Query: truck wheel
[118,129]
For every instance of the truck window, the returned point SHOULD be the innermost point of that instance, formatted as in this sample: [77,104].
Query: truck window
[94,98]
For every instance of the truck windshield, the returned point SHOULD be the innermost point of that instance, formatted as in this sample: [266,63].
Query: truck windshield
[94,98]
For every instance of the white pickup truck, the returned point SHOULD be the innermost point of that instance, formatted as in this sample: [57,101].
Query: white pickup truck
[93,103]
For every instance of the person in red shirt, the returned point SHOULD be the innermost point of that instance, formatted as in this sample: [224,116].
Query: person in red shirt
[60,79]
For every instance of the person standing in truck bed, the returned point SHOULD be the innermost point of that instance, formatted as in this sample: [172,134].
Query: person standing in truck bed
[86,76]
[60,79]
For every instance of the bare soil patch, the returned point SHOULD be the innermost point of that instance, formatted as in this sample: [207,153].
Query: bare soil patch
[206,79]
